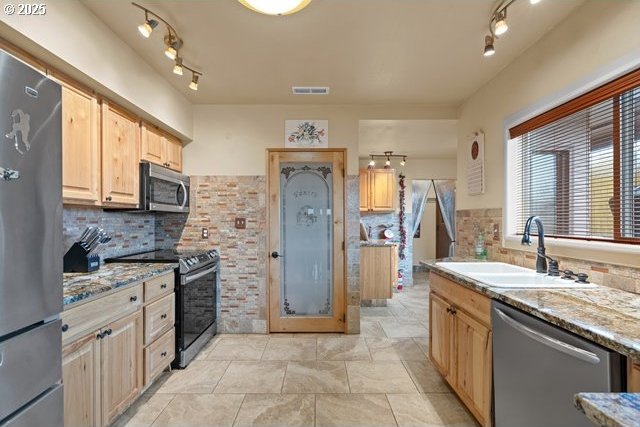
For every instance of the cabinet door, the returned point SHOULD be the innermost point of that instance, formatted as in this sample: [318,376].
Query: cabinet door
[121,351]
[633,383]
[382,183]
[81,380]
[440,334]
[173,153]
[152,145]
[473,365]
[80,147]
[365,191]
[120,157]
[377,272]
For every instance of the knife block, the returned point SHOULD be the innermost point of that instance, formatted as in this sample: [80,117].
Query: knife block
[78,260]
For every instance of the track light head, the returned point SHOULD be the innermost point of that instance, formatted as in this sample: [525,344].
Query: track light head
[501,26]
[489,50]
[177,68]
[170,52]
[194,82]
[172,45]
[403,162]
[147,27]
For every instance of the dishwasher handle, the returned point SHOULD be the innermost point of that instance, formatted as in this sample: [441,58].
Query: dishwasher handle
[554,343]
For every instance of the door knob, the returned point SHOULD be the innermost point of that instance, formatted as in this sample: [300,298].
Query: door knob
[275,254]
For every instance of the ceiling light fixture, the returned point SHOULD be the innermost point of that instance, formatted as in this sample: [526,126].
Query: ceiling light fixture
[172,43]
[279,8]
[177,69]
[489,50]
[498,25]
[501,26]
[387,156]
[194,81]
[146,28]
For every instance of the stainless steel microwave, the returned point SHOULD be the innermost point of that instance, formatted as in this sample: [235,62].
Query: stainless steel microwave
[163,190]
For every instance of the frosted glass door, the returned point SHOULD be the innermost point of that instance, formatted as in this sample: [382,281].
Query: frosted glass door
[306,236]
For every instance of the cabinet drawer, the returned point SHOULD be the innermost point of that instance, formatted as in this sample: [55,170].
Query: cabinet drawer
[159,355]
[477,305]
[158,286]
[93,315]
[158,318]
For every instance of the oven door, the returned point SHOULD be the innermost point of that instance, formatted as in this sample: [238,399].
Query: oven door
[164,190]
[196,306]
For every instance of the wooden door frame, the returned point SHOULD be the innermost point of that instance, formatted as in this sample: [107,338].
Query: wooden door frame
[268,226]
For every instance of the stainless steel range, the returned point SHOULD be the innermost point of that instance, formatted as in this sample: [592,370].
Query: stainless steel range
[197,281]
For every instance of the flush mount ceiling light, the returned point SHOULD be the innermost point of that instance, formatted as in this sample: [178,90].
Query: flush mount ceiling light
[275,7]
[172,43]
[498,25]
[387,156]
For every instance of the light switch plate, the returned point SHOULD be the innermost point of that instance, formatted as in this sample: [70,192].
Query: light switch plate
[496,231]
[241,223]
[205,233]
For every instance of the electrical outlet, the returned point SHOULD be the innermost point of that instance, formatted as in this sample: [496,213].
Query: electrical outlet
[496,231]
[205,233]
[241,223]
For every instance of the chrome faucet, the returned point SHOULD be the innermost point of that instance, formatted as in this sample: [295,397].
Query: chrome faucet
[541,259]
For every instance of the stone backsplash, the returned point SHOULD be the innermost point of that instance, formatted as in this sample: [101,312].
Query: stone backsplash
[470,222]
[131,232]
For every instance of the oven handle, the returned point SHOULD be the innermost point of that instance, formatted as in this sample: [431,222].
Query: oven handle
[188,279]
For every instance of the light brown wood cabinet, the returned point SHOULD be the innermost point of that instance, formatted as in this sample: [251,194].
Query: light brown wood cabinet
[102,372]
[120,157]
[460,343]
[377,190]
[633,381]
[80,146]
[81,379]
[160,148]
[378,271]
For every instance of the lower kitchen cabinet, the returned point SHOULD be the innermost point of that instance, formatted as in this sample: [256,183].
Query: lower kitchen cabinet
[102,372]
[378,271]
[81,379]
[460,343]
[633,383]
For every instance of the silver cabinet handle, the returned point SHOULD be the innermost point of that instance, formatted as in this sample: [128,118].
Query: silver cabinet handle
[186,196]
[556,344]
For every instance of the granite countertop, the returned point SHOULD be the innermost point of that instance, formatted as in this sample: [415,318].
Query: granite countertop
[610,409]
[85,286]
[603,315]
[376,243]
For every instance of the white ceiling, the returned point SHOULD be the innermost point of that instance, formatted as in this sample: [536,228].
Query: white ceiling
[373,51]
[434,139]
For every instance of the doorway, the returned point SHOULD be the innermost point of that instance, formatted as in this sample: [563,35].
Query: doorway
[306,240]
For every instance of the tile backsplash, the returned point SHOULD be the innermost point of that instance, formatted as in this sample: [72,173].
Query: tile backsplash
[131,232]
[469,222]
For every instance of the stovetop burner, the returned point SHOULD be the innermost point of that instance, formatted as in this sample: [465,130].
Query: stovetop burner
[189,260]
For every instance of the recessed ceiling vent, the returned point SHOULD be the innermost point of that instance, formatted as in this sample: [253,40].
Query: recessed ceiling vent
[310,90]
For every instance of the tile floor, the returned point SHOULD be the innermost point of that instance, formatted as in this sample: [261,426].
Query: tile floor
[379,378]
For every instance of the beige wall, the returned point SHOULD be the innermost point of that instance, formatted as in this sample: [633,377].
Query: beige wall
[232,139]
[591,39]
[425,246]
[71,38]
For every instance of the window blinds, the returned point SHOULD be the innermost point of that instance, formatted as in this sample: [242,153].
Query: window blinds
[578,166]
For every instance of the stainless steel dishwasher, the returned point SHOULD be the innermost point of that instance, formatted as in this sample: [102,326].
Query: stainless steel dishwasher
[538,368]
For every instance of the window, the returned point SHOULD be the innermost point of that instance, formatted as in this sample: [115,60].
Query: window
[577,166]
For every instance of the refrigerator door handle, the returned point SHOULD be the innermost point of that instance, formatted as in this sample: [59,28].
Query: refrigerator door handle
[551,342]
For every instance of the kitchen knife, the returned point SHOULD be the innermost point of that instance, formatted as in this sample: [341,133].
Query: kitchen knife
[85,234]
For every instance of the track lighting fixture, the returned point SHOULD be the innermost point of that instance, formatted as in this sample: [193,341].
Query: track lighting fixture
[501,26]
[146,28]
[172,43]
[177,68]
[488,46]
[388,155]
[194,82]
[498,25]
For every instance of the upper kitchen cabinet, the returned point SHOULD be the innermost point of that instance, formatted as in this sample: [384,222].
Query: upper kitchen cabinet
[377,190]
[120,157]
[160,148]
[80,146]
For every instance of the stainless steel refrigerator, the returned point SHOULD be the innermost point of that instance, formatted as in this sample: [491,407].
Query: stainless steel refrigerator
[30,247]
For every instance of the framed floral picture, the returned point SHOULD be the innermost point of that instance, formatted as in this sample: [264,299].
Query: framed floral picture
[306,133]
